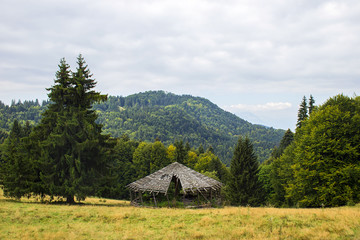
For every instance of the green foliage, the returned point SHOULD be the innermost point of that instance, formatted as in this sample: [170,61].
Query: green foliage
[166,117]
[16,172]
[3,136]
[326,162]
[209,162]
[158,156]
[180,152]
[150,157]
[22,112]
[281,174]
[287,139]
[70,151]
[121,172]
[275,173]
[244,185]
[264,179]
[212,174]
[142,159]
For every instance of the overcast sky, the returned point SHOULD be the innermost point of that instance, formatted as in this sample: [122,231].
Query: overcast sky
[256,59]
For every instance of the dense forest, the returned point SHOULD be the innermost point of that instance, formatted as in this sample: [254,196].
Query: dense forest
[81,143]
[318,165]
[166,117]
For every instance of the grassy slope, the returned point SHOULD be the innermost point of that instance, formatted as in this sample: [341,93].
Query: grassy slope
[112,219]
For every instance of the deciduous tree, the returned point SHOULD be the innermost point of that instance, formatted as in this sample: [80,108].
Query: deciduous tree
[326,162]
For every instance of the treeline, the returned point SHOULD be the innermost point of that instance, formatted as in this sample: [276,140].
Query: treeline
[27,111]
[66,155]
[165,116]
[127,161]
[319,165]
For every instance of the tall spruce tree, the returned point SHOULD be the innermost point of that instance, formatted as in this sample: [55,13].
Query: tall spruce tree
[311,104]
[244,186]
[72,151]
[302,113]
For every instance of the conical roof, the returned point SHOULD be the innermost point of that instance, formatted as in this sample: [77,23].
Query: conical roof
[159,181]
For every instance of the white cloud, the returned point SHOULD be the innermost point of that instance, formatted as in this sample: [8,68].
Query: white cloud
[270,106]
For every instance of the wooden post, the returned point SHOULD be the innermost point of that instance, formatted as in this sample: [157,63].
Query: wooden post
[130,197]
[154,199]
[141,198]
[176,187]
[183,198]
[167,196]
[198,199]
[204,196]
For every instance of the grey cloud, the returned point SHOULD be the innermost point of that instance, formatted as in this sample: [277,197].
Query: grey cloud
[206,48]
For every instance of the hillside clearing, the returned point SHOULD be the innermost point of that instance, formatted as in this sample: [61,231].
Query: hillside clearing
[112,219]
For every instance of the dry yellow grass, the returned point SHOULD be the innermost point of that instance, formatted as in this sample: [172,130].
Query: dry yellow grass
[112,219]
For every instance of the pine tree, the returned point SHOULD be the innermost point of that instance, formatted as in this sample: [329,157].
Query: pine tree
[311,104]
[302,113]
[72,151]
[3,136]
[287,139]
[200,150]
[244,186]
[16,171]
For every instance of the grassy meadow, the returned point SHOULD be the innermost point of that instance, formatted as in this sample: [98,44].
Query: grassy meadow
[112,219]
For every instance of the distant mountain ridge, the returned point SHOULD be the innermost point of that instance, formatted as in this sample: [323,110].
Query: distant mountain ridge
[166,116]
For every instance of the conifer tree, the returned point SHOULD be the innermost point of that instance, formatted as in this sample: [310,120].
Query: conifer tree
[302,113]
[244,186]
[287,139]
[200,150]
[311,104]
[3,136]
[72,151]
[16,171]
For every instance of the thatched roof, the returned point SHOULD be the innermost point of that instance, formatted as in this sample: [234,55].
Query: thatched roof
[159,182]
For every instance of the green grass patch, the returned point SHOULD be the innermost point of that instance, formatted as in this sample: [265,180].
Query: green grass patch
[112,219]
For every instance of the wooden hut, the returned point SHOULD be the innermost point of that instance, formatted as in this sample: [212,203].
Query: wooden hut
[191,182]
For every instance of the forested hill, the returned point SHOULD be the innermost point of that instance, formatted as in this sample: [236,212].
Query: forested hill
[170,117]
[165,116]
